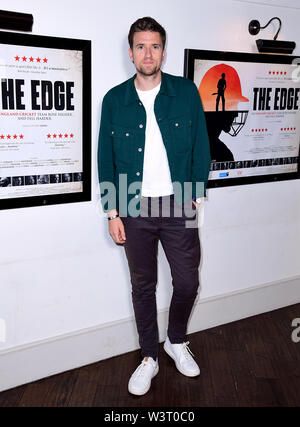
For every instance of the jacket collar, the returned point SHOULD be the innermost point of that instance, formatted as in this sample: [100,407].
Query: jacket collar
[167,88]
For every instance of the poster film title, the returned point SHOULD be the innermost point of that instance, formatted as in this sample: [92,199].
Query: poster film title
[275,98]
[45,95]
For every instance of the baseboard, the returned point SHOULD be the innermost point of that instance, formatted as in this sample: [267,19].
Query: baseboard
[24,364]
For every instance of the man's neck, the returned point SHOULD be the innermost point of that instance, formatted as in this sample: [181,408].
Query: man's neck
[143,82]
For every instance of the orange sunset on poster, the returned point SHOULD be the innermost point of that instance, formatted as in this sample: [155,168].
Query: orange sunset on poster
[208,88]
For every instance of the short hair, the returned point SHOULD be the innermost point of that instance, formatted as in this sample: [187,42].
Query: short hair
[146,24]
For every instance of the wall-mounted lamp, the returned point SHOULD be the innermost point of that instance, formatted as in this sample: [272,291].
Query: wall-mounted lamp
[15,21]
[271,46]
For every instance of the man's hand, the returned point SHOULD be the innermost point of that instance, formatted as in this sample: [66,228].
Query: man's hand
[116,230]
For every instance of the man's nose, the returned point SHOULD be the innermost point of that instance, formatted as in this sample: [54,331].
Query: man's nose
[148,52]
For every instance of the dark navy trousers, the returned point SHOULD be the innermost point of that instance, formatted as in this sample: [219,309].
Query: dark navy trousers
[161,219]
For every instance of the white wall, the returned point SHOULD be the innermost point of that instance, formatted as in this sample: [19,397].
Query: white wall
[59,270]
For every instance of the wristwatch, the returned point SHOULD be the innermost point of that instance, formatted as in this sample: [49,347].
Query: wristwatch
[112,217]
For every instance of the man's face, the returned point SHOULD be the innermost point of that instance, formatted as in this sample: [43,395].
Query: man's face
[147,52]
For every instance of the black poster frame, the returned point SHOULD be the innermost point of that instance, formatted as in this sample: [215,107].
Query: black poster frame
[190,55]
[8,38]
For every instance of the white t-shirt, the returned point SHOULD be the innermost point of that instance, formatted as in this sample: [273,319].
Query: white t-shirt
[156,172]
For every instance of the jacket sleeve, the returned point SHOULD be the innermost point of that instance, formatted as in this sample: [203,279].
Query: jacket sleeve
[106,168]
[201,159]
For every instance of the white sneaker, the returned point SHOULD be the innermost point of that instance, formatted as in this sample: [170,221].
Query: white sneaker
[182,357]
[140,380]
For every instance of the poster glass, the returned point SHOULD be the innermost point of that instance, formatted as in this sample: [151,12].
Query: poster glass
[251,104]
[45,120]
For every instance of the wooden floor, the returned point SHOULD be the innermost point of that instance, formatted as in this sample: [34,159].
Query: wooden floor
[251,362]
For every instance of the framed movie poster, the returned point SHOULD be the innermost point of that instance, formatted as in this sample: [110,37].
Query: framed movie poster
[45,120]
[251,104]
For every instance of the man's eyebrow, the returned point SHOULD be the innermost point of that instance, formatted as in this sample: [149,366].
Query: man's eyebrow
[153,44]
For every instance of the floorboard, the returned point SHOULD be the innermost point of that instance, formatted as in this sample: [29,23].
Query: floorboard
[251,362]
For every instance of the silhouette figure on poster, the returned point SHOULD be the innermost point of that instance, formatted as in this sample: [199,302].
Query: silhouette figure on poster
[221,89]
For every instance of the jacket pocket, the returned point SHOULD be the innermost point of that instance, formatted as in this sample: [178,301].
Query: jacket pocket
[181,134]
[123,141]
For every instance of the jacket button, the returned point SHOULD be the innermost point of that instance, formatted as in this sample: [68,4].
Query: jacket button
[140,149]
[138,173]
[112,132]
[176,124]
[141,126]
[136,196]
[127,134]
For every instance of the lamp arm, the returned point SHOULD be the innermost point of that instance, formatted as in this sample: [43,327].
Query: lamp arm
[276,35]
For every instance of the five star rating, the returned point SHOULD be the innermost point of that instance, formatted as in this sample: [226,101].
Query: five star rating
[31,59]
[60,136]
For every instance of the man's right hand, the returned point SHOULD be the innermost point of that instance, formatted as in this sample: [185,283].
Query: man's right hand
[116,230]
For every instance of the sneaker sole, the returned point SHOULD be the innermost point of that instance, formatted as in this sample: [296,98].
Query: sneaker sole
[182,371]
[145,390]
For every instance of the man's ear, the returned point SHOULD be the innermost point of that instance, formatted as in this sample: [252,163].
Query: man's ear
[130,54]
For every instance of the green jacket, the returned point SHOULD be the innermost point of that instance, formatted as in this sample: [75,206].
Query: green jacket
[181,120]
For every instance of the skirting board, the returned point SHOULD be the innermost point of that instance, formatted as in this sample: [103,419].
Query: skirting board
[24,364]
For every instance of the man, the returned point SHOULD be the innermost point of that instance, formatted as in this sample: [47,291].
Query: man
[5,181]
[152,143]
[221,89]
[30,180]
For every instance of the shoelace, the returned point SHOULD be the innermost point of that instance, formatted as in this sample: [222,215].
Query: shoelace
[141,369]
[186,350]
